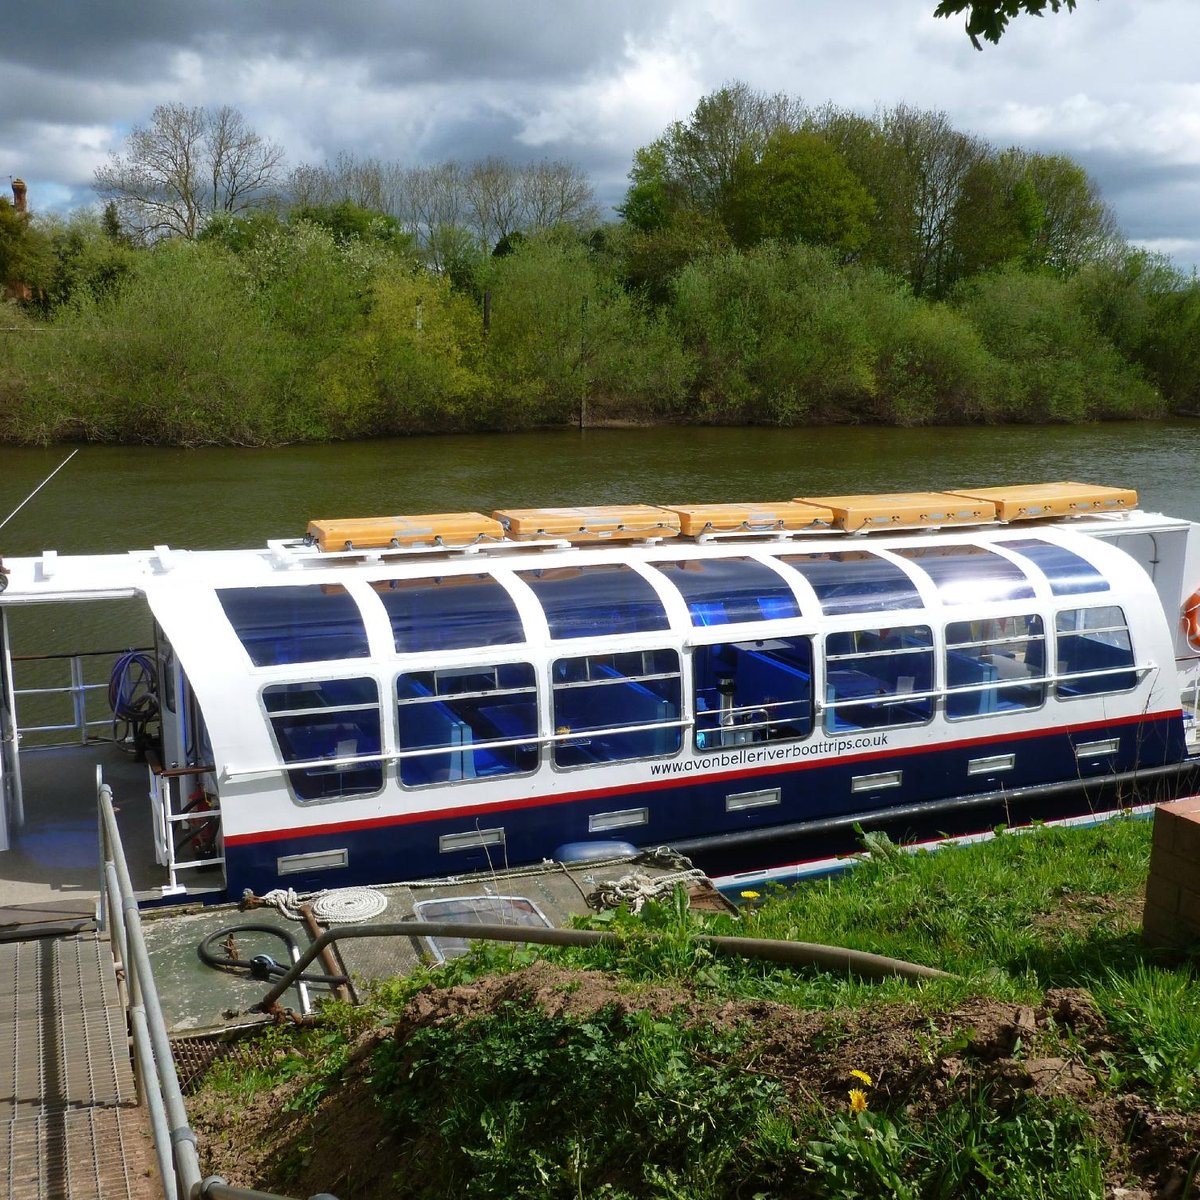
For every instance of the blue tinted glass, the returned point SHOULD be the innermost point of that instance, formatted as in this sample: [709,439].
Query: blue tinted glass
[853,581]
[334,720]
[609,707]
[312,623]
[721,590]
[1067,572]
[970,574]
[460,723]
[596,599]
[453,613]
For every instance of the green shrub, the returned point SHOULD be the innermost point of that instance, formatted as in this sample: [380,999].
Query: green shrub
[778,336]
[1055,365]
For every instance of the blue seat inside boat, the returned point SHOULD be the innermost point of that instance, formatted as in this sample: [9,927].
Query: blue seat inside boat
[763,678]
[964,671]
[1077,654]
[588,709]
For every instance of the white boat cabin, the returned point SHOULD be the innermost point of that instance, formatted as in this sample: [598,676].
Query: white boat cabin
[409,697]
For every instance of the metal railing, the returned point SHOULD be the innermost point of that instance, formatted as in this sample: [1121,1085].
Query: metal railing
[175,818]
[158,1080]
[78,691]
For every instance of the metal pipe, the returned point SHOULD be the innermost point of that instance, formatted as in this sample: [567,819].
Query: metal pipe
[860,962]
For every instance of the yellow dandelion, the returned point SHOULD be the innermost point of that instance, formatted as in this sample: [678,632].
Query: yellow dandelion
[858,1100]
[863,1076]
[749,895]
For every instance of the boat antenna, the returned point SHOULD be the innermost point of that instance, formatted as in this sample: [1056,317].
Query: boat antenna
[39,487]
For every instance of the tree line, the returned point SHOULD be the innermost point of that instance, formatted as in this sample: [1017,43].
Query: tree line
[771,263]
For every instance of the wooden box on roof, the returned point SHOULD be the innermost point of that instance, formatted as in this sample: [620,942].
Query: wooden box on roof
[610,522]
[904,510]
[429,529]
[1027,502]
[698,519]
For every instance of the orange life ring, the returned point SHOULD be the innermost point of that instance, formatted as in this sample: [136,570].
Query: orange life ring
[1191,619]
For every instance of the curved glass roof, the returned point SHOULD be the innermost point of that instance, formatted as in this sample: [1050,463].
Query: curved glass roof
[1068,574]
[968,574]
[719,591]
[322,622]
[595,599]
[854,581]
[317,622]
[451,613]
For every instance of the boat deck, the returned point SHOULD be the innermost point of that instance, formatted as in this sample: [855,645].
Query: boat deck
[52,871]
[197,998]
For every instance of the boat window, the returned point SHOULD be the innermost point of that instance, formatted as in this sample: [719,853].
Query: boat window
[470,722]
[995,665]
[854,581]
[878,677]
[1095,653]
[758,691]
[609,707]
[596,599]
[330,726]
[1068,573]
[451,613]
[315,622]
[970,574]
[721,590]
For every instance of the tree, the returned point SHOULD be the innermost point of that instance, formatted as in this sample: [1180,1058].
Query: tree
[186,165]
[938,160]
[24,251]
[692,165]
[801,189]
[990,18]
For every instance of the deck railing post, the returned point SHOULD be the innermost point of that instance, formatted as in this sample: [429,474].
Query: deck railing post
[79,698]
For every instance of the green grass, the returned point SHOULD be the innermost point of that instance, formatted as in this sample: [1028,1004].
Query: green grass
[631,1101]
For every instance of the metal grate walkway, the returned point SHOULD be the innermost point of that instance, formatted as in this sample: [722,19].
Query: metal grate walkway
[70,1125]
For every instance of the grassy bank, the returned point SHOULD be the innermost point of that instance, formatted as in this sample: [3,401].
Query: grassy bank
[1064,1060]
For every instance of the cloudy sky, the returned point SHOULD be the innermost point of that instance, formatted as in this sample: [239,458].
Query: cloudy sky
[1116,84]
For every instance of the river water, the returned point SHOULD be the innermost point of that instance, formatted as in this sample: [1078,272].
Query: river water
[113,498]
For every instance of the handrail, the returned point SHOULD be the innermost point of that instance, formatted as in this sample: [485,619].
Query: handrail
[174,1140]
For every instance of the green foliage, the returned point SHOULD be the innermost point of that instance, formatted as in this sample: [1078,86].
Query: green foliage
[564,336]
[520,1104]
[89,261]
[1057,366]
[778,334]
[179,355]
[426,345]
[1156,1012]
[1151,313]
[990,18]
[346,220]
[1036,1149]
[24,250]
[799,189]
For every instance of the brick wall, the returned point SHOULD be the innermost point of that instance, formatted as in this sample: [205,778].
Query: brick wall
[1172,916]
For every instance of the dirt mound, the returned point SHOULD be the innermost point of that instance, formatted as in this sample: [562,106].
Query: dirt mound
[918,1061]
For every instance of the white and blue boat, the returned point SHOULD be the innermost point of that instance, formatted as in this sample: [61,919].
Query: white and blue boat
[410,697]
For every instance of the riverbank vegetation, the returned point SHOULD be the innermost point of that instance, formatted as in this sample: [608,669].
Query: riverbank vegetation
[772,264]
[1063,1061]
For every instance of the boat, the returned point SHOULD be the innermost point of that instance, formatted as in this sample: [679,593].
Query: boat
[754,685]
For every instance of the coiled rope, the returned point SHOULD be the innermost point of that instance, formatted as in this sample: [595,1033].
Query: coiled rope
[339,906]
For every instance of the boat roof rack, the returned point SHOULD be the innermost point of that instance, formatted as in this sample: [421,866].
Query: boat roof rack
[527,529]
